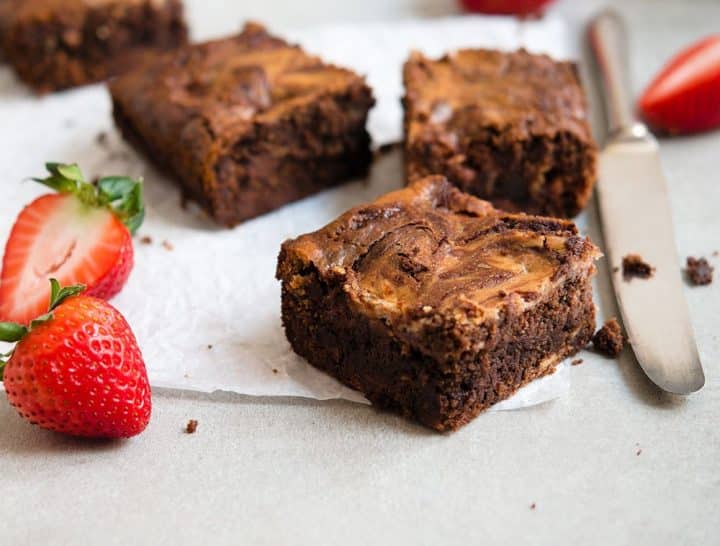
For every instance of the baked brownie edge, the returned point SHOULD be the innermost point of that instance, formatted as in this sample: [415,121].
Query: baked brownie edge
[509,127]
[257,136]
[360,352]
[55,45]
[437,364]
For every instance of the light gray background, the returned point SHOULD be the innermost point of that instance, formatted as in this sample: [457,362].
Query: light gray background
[282,471]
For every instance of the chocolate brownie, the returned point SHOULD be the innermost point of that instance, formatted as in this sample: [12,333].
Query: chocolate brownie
[247,124]
[56,44]
[434,304]
[508,127]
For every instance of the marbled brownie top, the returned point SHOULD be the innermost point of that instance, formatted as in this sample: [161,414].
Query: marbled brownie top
[252,77]
[473,90]
[431,250]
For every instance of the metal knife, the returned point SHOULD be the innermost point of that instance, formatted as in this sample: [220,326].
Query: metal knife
[636,219]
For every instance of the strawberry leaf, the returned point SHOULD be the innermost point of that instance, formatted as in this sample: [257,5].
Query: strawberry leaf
[122,195]
[59,295]
[42,319]
[2,368]
[12,332]
[72,172]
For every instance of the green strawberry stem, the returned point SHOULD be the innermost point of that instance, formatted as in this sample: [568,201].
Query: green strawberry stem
[122,195]
[12,332]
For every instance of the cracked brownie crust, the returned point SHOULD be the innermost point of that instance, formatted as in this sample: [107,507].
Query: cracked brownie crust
[247,124]
[434,304]
[57,44]
[508,127]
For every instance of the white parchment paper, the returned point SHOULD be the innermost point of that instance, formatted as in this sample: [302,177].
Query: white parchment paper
[203,301]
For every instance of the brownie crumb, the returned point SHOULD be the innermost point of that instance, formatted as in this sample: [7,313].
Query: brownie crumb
[577,362]
[616,269]
[533,506]
[191,426]
[167,245]
[699,271]
[210,346]
[101,138]
[275,370]
[638,452]
[634,267]
[387,148]
[146,240]
[609,339]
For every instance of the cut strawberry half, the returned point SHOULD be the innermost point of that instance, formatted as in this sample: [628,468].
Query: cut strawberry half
[685,96]
[79,236]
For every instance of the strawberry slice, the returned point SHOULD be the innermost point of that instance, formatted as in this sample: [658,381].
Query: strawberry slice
[505,7]
[685,96]
[82,235]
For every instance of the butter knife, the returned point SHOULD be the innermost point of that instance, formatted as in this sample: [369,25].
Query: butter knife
[636,219]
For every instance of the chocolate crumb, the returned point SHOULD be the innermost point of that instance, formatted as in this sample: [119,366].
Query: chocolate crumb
[609,339]
[146,240]
[191,426]
[533,506]
[275,370]
[638,452]
[699,271]
[167,245]
[210,346]
[616,269]
[634,267]
[577,362]
[387,148]
[101,138]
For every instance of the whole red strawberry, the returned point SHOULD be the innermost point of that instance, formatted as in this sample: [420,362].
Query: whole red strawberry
[81,235]
[78,369]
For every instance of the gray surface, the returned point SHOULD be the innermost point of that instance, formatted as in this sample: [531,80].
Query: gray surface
[295,472]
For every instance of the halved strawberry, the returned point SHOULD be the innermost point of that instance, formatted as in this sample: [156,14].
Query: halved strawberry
[82,235]
[505,7]
[685,96]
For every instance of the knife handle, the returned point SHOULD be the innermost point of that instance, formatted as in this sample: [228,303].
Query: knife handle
[608,42]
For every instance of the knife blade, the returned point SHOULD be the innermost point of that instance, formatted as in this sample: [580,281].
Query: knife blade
[637,219]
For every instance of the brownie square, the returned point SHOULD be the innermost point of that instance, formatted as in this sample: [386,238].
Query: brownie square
[57,44]
[248,123]
[434,304]
[508,127]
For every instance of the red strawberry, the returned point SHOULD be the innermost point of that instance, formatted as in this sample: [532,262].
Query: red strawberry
[82,235]
[78,369]
[685,96]
[505,7]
